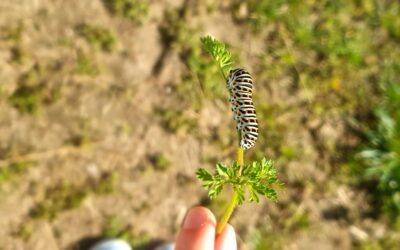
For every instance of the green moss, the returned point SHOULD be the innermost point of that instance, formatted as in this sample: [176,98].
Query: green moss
[96,36]
[133,10]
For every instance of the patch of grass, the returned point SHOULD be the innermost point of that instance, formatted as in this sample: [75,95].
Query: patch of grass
[203,79]
[133,10]
[27,99]
[12,33]
[379,244]
[160,161]
[13,170]
[18,55]
[24,231]
[65,196]
[82,139]
[34,90]
[106,184]
[97,37]
[176,121]
[298,221]
[59,198]
[341,62]
[271,138]
[204,73]
[85,65]
[263,239]
[381,153]
[116,228]
[288,152]
[390,19]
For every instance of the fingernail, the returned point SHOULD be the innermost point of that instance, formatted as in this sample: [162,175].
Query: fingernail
[196,218]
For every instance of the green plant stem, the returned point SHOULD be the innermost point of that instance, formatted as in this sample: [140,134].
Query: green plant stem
[222,73]
[228,212]
[232,204]
[240,160]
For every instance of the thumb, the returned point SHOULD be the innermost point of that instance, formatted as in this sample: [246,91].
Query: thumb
[198,231]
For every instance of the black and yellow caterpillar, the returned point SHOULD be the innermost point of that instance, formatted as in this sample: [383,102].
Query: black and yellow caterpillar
[240,85]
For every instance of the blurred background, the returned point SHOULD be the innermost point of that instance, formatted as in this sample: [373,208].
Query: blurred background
[108,107]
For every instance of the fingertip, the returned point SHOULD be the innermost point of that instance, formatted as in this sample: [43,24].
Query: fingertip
[198,230]
[226,240]
[198,216]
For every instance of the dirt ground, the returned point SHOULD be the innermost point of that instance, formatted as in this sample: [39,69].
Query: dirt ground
[99,149]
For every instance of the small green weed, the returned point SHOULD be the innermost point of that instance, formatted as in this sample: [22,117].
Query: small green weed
[134,10]
[11,171]
[299,220]
[59,198]
[97,37]
[12,33]
[106,184]
[19,55]
[382,152]
[34,90]
[27,99]
[24,231]
[160,161]
[85,65]
[176,121]
[288,152]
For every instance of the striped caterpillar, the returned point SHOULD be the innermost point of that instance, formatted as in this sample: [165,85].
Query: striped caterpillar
[240,85]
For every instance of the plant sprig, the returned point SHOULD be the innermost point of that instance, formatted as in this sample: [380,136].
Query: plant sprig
[219,52]
[251,180]
[259,178]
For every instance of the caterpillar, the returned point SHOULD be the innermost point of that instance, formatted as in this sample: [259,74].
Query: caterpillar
[240,85]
